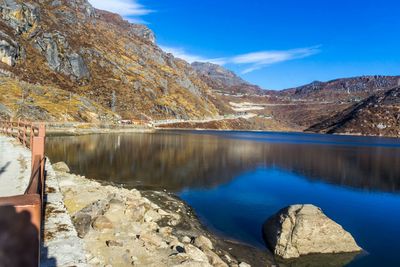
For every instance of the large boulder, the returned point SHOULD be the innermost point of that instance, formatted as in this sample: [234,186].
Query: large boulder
[304,229]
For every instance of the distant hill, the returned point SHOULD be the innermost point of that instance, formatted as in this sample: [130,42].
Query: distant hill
[347,89]
[225,81]
[377,115]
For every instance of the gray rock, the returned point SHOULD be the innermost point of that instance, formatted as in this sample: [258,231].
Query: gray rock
[8,53]
[60,56]
[143,32]
[82,222]
[78,66]
[21,17]
[83,219]
[61,167]
[304,229]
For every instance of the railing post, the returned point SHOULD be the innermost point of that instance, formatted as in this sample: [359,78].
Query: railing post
[37,146]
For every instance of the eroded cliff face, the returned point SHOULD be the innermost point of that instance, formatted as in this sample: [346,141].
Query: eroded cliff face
[96,54]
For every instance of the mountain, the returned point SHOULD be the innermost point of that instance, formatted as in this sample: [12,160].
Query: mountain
[377,115]
[224,81]
[73,47]
[347,89]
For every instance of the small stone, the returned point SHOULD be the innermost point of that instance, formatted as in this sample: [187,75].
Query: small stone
[162,212]
[82,223]
[180,249]
[165,231]
[61,167]
[214,259]
[186,239]
[152,239]
[151,216]
[228,258]
[195,254]
[114,243]
[203,242]
[243,264]
[101,223]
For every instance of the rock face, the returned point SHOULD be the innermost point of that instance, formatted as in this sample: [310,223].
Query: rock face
[60,57]
[304,229]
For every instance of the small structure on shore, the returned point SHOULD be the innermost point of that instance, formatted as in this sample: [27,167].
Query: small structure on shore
[304,229]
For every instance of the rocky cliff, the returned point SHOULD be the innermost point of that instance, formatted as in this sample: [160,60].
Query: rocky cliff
[377,115]
[73,47]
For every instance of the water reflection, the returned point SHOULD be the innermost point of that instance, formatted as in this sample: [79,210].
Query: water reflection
[176,160]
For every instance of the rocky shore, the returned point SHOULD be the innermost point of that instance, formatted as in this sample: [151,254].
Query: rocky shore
[121,227]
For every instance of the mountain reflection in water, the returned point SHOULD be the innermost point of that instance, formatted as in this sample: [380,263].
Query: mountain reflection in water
[179,160]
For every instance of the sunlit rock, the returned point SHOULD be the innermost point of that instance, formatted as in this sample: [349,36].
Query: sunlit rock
[304,229]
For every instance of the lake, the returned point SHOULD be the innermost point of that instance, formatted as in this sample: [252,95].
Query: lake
[236,180]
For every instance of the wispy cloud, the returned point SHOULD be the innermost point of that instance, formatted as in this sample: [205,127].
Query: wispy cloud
[131,10]
[182,54]
[258,60]
[250,61]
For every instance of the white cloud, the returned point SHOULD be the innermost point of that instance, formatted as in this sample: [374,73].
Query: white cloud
[258,60]
[182,54]
[250,61]
[129,9]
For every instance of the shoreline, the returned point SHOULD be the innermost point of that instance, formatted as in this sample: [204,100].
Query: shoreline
[167,224]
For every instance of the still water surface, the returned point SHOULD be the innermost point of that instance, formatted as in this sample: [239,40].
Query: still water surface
[236,180]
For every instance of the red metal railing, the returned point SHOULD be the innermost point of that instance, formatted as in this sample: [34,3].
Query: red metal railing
[30,204]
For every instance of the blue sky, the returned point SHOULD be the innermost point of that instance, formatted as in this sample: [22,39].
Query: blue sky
[276,44]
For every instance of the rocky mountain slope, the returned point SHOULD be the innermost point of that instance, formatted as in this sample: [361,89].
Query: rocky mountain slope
[71,46]
[225,81]
[377,115]
[45,103]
